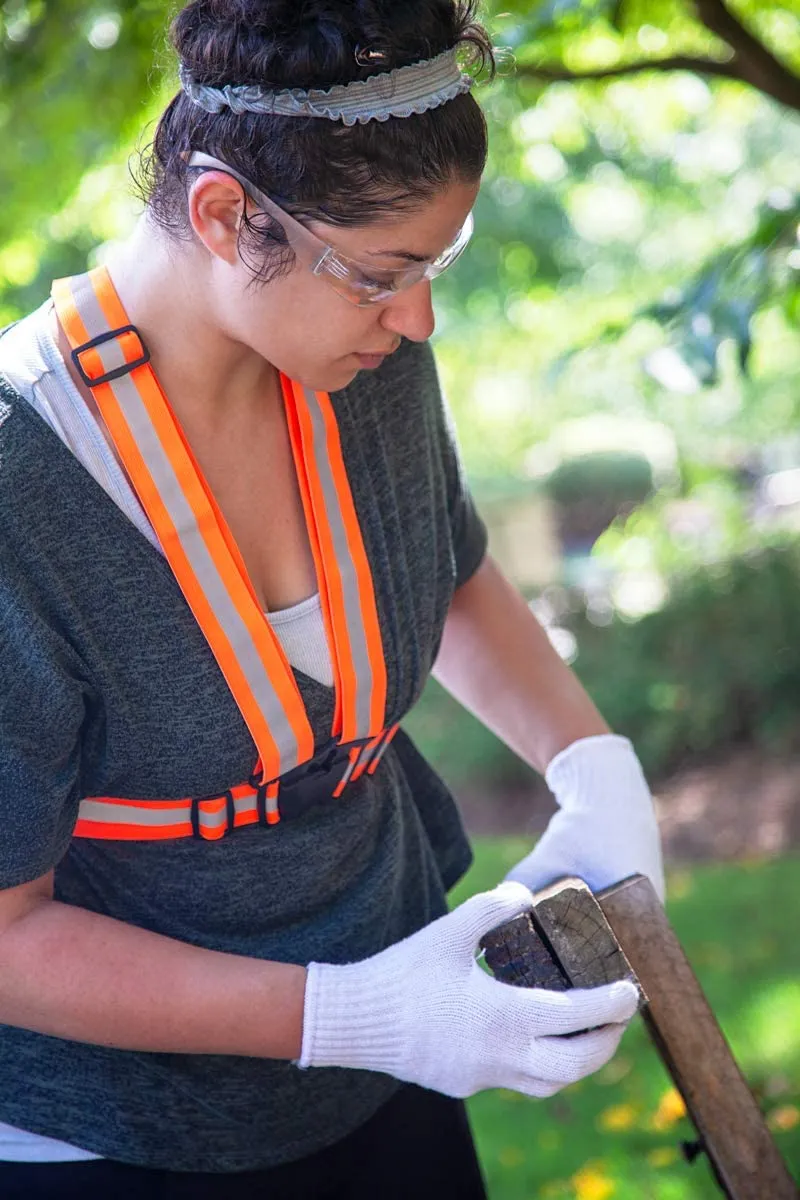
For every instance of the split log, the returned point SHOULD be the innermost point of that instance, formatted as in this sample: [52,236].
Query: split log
[573,939]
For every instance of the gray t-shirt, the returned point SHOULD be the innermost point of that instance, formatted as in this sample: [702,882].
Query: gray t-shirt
[108,688]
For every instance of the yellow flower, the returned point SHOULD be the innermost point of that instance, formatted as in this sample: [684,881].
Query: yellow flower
[783,1118]
[670,1109]
[592,1183]
[618,1117]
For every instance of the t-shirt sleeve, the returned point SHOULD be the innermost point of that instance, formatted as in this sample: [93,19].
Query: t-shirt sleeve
[42,708]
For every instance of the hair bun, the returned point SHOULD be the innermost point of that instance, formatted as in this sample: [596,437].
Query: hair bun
[317,169]
[315,43]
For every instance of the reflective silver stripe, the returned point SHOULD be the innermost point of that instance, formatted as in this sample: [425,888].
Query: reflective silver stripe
[379,752]
[192,543]
[151,817]
[351,766]
[129,814]
[352,600]
[367,754]
[246,803]
[111,353]
[218,820]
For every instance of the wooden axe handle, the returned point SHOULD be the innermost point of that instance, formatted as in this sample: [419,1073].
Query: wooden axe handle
[734,1134]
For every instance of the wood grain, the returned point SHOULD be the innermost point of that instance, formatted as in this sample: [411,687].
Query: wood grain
[745,1159]
[564,941]
[572,938]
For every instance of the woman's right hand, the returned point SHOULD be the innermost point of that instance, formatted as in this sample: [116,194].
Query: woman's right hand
[425,1012]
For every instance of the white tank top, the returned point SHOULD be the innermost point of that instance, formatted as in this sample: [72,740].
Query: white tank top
[32,363]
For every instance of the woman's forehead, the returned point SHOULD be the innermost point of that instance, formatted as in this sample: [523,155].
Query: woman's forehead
[409,235]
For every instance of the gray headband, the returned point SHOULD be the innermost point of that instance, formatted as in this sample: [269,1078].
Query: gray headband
[397,93]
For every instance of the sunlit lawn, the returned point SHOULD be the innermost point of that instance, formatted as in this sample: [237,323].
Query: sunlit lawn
[618,1134]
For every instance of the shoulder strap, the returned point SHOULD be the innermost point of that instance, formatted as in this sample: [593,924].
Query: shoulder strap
[114,362]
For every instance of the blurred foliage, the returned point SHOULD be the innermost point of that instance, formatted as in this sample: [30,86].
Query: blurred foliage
[622,477]
[617,1135]
[710,523]
[718,663]
[576,40]
[589,491]
[636,255]
[637,237]
[79,83]
[76,82]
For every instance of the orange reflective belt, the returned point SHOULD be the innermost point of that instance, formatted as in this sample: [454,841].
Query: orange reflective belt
[209,818]
[113,361]
[128,820]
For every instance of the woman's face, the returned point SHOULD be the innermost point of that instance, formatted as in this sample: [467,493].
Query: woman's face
[301,325]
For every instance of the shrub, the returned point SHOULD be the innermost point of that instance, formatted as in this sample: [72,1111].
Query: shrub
[591,490]
[719,663]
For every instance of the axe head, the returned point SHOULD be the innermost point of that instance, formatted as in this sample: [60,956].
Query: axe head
[564,941]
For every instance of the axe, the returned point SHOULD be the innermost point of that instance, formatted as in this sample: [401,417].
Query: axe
[573,938]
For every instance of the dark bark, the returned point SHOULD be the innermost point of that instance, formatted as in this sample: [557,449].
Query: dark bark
[755,64]
[679,62]
[750,61]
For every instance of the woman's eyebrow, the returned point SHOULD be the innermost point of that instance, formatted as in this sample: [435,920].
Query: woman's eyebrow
[406,254]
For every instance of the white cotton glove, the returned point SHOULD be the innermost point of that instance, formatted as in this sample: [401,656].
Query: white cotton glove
[424,1011]
[605,828]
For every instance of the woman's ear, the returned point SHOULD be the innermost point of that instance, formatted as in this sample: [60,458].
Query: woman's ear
[216,205]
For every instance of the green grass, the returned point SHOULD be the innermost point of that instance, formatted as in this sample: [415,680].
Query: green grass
[616,1136]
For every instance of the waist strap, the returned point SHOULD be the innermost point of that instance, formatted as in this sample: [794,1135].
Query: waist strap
[210,818]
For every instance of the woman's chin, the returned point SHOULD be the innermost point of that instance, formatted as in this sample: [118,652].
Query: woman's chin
[336,378]
[331,376]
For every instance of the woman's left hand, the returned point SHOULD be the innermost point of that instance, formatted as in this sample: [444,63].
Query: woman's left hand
[605,828]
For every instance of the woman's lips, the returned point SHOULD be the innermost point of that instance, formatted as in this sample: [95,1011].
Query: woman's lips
[370,361]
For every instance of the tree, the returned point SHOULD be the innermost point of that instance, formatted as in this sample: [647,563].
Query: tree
[590,44]
[76,81]
[753,43]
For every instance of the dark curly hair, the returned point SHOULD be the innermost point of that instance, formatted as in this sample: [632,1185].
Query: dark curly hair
[315,168]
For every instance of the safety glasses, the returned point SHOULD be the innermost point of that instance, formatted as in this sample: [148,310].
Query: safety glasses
[355,281]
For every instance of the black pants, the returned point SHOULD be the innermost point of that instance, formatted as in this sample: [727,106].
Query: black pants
[418,1146]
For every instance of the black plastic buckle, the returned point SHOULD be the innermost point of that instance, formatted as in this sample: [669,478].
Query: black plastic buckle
[308,785]
[117,372]
[230,812]
[314,782]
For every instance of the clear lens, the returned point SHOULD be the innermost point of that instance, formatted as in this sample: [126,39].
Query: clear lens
[361,292]
[364,285]
[449,256]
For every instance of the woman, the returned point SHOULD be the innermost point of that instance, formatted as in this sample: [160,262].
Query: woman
[226,966]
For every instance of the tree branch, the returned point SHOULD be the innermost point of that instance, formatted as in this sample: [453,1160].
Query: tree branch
[679,62]
[756,64]
[750,61]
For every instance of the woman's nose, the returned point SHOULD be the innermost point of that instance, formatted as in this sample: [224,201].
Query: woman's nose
[410,313]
